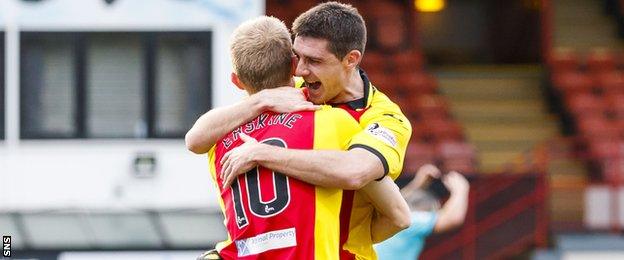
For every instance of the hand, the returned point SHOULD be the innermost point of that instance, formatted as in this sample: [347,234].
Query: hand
[424,176]
[455,182]
[238,160]
[285,100]
[428,171]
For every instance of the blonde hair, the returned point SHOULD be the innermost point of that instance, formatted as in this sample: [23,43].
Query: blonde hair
[261,51]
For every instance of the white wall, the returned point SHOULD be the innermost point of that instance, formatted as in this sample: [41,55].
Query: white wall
[592,255]
[59,174]
[99,175]
[145,255]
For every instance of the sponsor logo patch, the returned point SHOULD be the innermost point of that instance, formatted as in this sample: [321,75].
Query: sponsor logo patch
[266,241]
[382,133]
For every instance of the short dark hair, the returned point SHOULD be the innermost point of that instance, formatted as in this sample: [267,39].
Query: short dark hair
[340,24]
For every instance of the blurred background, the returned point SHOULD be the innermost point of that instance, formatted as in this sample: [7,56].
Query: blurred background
[525,97]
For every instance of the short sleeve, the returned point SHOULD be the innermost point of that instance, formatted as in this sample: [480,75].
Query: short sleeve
[385,133]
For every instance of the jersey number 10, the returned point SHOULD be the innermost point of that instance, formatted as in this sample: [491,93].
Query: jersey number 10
[258,207]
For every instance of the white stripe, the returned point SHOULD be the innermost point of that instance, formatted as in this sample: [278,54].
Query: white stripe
[267,241]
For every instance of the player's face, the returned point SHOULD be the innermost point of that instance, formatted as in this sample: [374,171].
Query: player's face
[323,72]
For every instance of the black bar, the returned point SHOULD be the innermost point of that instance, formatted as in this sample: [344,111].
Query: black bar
[149,59]
[2,85]
[24,37]
[80,81]
[208,65]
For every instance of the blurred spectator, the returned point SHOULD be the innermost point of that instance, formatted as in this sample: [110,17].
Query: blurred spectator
[427,216]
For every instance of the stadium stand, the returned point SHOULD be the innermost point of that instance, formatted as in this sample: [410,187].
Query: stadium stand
[396,65]
[584,78]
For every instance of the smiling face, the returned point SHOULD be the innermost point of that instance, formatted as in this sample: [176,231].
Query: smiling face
[324,74]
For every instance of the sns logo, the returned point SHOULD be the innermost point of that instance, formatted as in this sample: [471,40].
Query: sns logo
[6,246]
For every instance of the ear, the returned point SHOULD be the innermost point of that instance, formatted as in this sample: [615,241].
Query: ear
[234,78]
[352,59]
[293,64]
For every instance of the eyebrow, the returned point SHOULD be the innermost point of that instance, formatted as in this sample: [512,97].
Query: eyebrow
[307,56]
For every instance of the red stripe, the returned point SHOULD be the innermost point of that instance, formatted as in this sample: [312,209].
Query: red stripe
[345,221]
[347,199]
[356,114]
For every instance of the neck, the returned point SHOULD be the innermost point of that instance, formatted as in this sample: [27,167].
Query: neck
[353,90]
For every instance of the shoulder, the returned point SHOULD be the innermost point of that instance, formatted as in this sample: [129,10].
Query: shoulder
[334,114]
[382,102]
[385,111]
[337,118]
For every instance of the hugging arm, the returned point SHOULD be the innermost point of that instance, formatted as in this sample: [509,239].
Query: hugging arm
[218,122]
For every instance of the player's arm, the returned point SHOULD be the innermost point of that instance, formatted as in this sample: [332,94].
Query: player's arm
[387,133]
[392,213]
[386,223]
[453,213]
[217,122]
[372,154]
[349,170]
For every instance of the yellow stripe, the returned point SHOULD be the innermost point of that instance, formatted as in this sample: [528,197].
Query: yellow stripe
[213,174]
[327,213]
[333,129]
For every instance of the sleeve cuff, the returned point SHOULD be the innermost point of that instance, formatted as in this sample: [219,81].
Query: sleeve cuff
[383,160]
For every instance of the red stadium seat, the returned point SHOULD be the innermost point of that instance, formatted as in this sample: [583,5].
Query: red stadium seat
[615,106]
[426,107]
[457,156]
[419,131]
[417,155]
[430,102]
[601,60]
[432,115]
[283,13]
[374,62]
[301,6]
[384,83]
[595,127]
[464,166]
[613,170]
[572,82]
[408,61]
[563,59]
[455,150]
[418,83]
[382,9]
[600,149]
[610,82]
[585,104]
[390,32]
[440,129]
[385,20]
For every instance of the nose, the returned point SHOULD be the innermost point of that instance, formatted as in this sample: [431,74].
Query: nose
[301,69]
